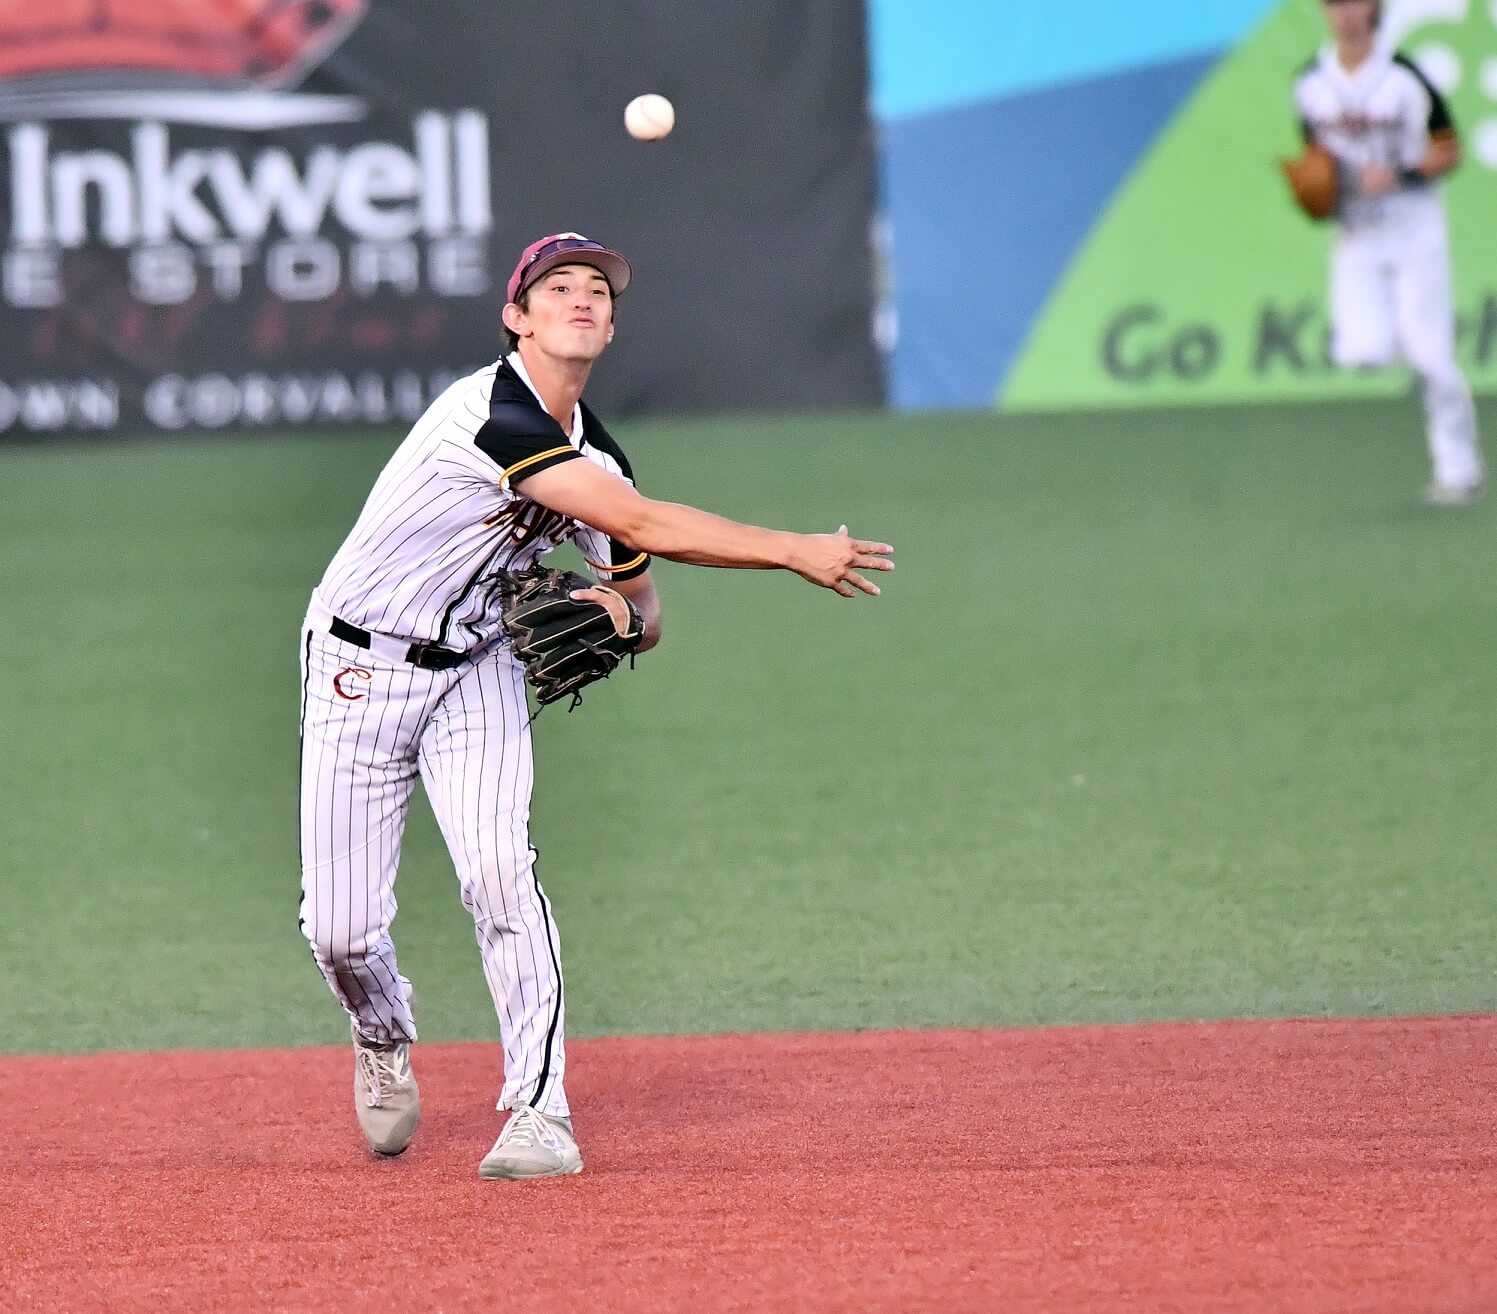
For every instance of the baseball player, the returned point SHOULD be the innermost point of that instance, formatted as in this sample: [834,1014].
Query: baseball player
[1394,139]
[405,672]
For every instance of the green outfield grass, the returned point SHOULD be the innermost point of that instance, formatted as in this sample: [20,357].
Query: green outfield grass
[1162,715]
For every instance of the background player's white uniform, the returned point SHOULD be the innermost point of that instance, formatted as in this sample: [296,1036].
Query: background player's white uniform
[405,672]
[1390,271]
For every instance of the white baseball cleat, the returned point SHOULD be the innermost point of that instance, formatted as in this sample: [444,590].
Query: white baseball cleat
[1438,494]
[384,1094]
[533,1144]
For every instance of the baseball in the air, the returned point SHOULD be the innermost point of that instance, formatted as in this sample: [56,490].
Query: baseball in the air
[649,117]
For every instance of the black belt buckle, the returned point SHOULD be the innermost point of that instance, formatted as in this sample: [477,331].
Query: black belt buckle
[429,657]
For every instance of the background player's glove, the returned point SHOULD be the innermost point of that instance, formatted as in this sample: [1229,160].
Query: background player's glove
[564,643]
[1315,180]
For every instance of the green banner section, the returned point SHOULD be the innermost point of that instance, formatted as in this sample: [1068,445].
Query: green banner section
[1203,284]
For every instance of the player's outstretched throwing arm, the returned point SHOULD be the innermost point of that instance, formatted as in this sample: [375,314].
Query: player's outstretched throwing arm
[596,497]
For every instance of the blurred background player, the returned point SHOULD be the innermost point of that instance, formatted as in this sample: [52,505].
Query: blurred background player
[1392,133]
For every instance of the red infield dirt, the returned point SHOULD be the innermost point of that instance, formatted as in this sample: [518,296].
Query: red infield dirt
[1315,1167]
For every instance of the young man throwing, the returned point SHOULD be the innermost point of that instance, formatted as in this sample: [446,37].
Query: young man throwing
[1393,136]
[405,672]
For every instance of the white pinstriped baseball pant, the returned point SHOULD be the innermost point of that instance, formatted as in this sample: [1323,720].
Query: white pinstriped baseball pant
[1391,300]
[368,728]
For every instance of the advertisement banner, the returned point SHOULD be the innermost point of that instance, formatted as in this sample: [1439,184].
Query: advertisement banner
[1144,250]
[231,213]
[1203,284]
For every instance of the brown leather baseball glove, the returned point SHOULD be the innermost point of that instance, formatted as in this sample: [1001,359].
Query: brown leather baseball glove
[1315,180]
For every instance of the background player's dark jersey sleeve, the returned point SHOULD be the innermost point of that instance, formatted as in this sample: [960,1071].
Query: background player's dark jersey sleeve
[1441,123]
[518,435]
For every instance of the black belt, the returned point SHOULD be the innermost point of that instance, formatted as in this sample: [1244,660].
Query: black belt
[428,656]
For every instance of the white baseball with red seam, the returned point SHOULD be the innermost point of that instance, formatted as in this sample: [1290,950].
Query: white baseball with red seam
[649,117]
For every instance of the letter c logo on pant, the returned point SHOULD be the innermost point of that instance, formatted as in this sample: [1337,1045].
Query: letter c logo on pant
[346,674]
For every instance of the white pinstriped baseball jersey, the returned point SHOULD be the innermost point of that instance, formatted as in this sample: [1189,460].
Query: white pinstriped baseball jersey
[444,519]
[1384,112]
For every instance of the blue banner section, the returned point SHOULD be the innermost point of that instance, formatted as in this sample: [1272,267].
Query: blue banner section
[932,55]
[987,205]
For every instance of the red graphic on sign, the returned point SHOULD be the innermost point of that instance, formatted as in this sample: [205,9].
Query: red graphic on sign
[350,673]
[265,43]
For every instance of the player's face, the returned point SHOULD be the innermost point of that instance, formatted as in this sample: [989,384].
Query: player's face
[570,313]
[1351,20]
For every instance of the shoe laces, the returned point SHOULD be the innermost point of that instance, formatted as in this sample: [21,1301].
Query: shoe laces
[382,1069]
[528,1126]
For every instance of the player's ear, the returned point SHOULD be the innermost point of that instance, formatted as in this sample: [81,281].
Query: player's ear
[512,316]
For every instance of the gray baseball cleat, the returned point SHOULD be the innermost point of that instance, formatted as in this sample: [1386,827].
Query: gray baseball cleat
[533,1144]
[384,1094]
[1438,494]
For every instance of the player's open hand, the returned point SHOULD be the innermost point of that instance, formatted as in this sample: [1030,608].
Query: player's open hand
[834,560]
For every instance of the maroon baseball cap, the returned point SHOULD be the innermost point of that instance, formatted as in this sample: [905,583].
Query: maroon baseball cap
[567,249]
